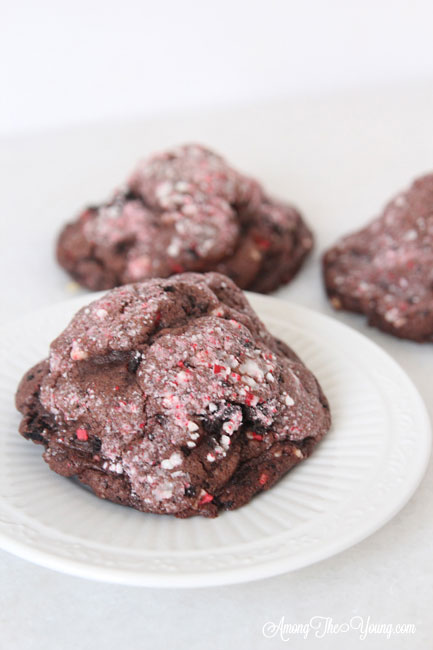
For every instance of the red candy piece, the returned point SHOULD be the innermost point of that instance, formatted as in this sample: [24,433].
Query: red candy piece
[262,243]
[256,436]
[217,369]
[263,478]
[206,498]
[82,434]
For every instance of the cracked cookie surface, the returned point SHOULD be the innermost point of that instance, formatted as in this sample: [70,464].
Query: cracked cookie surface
[172,397]
[186,210]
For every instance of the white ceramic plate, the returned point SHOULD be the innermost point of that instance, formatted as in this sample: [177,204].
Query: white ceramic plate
[363,472]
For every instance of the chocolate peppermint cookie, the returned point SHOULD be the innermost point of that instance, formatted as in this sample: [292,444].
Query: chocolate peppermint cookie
[186,210]
[386,269]
[171,396]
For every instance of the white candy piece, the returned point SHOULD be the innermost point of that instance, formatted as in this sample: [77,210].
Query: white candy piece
[252,369]
[174,460]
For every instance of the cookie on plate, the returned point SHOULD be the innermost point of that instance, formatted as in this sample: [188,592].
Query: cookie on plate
[385,270]
[171,396]
[186,210]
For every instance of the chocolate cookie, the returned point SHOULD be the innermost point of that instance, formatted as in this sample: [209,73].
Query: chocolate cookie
[186,210]
[386,269]
[172,397]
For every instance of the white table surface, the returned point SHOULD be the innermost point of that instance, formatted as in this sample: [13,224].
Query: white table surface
[339,158]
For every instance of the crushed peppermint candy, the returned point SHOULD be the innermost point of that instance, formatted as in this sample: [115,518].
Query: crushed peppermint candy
[82,434]
[205,497]
[174,460]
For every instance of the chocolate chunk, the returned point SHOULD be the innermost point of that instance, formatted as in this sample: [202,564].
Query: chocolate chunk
[134,361]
